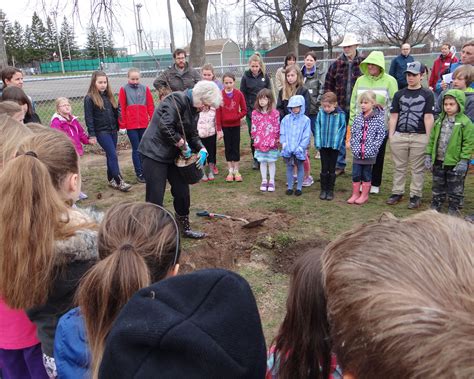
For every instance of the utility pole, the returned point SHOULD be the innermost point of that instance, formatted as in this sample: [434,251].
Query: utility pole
[245,34]
[3,51]
[55,15]
[138,24]
[170,21]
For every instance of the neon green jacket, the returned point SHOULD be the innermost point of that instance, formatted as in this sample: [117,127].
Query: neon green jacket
[383,85]
[461,143]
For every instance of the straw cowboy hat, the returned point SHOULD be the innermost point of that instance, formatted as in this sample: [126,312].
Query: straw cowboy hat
[350,39]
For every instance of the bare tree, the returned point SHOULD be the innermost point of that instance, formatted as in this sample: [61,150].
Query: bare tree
[196,12]
[329,17]
[412,21]
[291,15]
[217,22]
[275,34]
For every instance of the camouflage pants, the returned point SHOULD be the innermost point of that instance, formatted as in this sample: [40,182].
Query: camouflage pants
[447,182]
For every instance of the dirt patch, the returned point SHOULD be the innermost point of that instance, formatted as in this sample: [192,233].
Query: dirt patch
[283,258]
[228,243]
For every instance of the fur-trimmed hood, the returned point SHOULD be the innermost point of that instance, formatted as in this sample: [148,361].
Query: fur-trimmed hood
[82,246]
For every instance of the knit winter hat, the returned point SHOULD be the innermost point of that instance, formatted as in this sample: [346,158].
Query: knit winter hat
[200,325]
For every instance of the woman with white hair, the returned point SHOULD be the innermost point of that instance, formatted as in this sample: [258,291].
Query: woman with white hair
[164,141]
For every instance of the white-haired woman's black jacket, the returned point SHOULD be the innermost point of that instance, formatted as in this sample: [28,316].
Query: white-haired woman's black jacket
[164,132]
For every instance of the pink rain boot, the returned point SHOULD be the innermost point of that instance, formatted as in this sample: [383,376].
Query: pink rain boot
[365,193]
[355,193]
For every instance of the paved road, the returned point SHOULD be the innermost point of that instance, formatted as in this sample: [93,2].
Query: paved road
[52,88]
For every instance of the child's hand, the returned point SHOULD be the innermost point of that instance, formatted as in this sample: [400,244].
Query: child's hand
[220,134]
[461,167]
[92,140]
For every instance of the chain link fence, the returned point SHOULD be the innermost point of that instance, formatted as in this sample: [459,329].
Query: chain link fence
[45,90]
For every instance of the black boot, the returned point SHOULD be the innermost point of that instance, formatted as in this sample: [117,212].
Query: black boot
[331,181]
[185,228]
[324,184]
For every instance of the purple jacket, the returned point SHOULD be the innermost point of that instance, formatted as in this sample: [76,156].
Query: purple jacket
[73,130]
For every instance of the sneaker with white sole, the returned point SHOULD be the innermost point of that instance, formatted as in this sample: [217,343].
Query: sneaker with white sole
[263,186]
[308,181]
[123,186]
[374,189]
[271,187]
[210,177]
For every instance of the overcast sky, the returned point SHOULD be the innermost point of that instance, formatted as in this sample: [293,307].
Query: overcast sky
[153,14]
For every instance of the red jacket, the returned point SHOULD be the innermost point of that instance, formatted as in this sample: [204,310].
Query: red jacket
[136,107]
[440,64]
[233,108]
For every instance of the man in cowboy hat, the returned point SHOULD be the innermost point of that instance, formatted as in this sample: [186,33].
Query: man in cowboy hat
[340,79]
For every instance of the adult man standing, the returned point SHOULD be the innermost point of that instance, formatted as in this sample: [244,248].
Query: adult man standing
[399,65]
[340,79]
[178,77]
[411,121]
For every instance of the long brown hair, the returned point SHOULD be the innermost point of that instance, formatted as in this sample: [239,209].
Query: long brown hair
[94,93]
[138,244]
[290,89]
[264,92]
[33,215]
[303,343]
[12,133]
[19,96]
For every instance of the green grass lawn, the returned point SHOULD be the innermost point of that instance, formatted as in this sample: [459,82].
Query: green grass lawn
[295,224]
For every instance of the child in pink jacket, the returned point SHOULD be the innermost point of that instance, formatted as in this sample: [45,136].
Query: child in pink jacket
[266,134]
[66,122]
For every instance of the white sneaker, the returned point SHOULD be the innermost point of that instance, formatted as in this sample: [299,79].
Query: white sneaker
[374,189]
[263,186]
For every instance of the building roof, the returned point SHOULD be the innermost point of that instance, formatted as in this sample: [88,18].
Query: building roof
[213,46]
[305,42]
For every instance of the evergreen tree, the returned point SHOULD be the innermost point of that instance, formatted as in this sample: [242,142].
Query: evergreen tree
[106,44]
[92,43]
[29,52]
[67,40]
[37,39]
[51,42]
[14,42]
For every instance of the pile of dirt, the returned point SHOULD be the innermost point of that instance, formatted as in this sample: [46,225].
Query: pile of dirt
[227,243]
[284,258]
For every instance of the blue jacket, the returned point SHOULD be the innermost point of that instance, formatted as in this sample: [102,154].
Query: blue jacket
[367,134]
[330,129]
[71,351]
[295,130]
[398,67]
[452,68]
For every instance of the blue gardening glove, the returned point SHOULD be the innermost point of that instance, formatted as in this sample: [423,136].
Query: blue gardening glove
[428,163]
[461,167]
[186,151]
[202,158]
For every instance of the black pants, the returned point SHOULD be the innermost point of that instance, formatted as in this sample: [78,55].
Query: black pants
[377,168]
[232,143]
[210,145]
[447,182]
[328,160]
[156,174]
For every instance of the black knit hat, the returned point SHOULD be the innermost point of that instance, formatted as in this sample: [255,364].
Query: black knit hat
[200,325]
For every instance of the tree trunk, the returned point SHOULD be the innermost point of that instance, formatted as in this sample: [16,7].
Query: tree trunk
[197,16]
[293,40]
[197,52]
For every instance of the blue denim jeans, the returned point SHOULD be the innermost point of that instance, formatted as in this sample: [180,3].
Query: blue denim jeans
[361,172]
[135,136]
[341,158]
[108,142]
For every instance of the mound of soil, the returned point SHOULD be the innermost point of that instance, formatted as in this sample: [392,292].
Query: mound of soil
[227,243]
[283,259]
